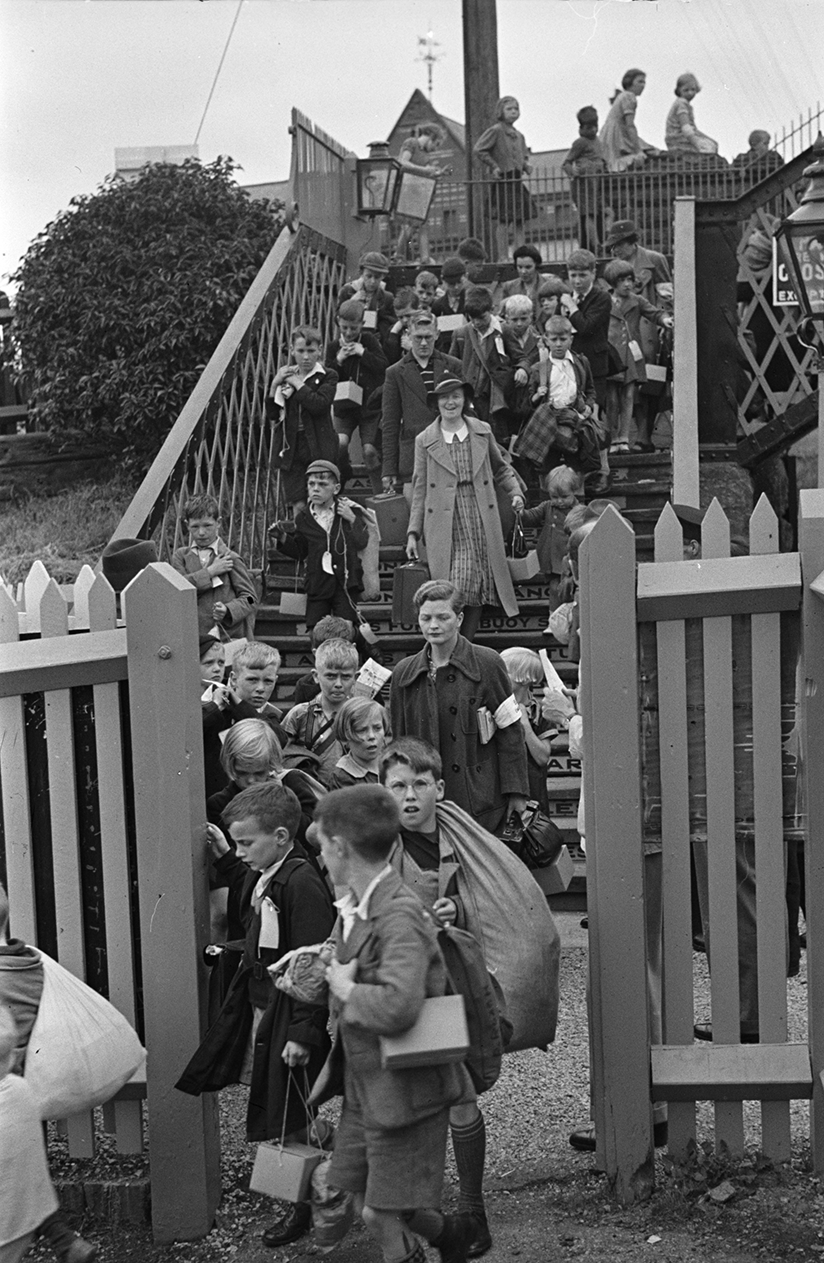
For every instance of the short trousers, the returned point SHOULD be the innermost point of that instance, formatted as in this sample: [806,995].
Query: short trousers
[359,419]
[397,1170]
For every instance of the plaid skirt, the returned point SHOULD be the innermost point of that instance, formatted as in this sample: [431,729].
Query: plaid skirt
[471,569]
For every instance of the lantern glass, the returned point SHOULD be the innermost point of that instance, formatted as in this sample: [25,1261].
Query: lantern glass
[414,194]
[376,184]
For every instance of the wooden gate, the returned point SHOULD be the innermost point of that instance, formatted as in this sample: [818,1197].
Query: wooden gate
[688,698]
[102,845]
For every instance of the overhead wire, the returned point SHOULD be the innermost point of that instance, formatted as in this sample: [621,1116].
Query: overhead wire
[219,68]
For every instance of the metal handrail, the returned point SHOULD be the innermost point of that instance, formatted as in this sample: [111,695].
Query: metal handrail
[221,442]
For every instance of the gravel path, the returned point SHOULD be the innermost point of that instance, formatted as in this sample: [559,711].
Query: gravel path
[545,1201]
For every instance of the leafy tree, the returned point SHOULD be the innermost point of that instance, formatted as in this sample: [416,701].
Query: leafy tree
[122,299]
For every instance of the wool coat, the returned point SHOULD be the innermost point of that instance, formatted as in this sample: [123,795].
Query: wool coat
[651,269]
[407,410]
[591,325]
[625,326]
[477,777]
[399,966]
[434,483]
[305,916]
[311,407]
[236,590]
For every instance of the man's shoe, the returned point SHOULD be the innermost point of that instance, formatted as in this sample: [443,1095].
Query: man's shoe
[457,1235]
[584,1138]
[482,1241]
[703,1030]
[295,1223]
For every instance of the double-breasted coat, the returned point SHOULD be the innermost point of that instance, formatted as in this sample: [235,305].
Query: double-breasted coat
[434,483]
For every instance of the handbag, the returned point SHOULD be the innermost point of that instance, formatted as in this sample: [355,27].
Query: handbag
[533,837]
[523,562]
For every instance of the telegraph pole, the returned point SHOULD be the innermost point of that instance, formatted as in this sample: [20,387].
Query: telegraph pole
[481,91]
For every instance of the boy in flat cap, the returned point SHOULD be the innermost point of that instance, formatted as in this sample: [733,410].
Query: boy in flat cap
[328,533]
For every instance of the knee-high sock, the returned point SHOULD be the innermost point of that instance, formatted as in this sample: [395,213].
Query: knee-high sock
[469,1147]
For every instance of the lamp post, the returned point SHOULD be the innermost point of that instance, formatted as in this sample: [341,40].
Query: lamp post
[800,239]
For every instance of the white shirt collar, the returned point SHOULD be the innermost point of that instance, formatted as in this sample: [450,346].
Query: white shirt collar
[217,546]
[266,876]
[449,436]
[495,326]
[349,909]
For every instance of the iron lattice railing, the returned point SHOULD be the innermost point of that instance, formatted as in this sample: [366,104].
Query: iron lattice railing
[557,215]
[222,441]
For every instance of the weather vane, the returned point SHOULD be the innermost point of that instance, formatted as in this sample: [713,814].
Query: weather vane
[428,44]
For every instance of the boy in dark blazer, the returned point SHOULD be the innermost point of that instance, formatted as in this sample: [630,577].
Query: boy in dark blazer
[390,1146]
[261,1034]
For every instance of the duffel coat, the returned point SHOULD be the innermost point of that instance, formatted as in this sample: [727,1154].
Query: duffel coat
[305,916]
[434,483]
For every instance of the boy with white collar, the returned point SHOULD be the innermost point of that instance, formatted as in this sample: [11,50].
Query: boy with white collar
[226,594]
[301,403]
[328,535]
[261,1034]
[390,1146]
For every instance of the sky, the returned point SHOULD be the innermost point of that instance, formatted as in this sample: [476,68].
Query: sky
[84,77]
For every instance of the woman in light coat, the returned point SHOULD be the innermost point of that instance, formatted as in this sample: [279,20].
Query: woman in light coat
[454,506]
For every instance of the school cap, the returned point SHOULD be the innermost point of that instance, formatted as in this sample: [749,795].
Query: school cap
[621,230]
[375,261]
[323,467]
[588,114]
[690,519]
[122,559]
[452,269]
[208,642]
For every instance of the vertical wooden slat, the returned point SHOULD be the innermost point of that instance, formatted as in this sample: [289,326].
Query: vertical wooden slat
[52,614]
[101,611]
[34,585]
[167,756]
[811,524]
[612,778]
[675,834]
[719,745]
[80,595]
[14,777]
[770,861]
[685,482]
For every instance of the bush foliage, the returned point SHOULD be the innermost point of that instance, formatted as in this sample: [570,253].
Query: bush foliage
[122,299]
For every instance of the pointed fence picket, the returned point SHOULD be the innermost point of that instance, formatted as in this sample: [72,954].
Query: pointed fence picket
[98,799]
[710,649]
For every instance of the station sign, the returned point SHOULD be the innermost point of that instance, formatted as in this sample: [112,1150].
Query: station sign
[811,260]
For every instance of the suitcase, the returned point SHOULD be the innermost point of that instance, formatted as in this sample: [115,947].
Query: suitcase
[405,583]
[392,512]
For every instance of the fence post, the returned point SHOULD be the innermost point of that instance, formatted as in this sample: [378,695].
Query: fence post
[685,479]
[811,543]
[615,875]
[167,756]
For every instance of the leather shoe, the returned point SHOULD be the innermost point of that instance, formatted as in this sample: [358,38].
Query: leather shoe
[295,1223]
[482,1240]
[457,1235]
[584,1138]
[703,1030]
